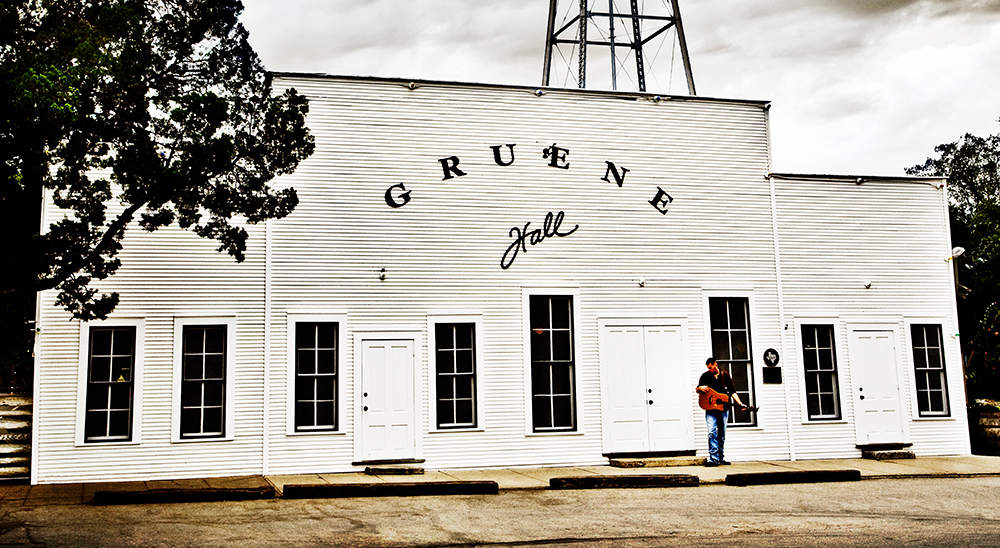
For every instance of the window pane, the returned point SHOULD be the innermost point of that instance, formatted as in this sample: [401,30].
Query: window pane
[118,424]
[190,420]
[562,407]
[326,335]
[213,420]
[561,379]
[100,369]
[213,393]
[464,412]
[304,414]
[100,342]
[121,396]
[541,411]
[325,389]
[445,361]
[464,335]
[215,340]
[561,346]
[720,345]
[808,337]
[325,414]
[740,349]
[96,424]
[194,367]
[215,366]
[825,360]
[463,361]
[539,311]
[561,312]
[445,387]
[737,314]
[718,313]
[122,342]
[445,412]
[463,387]
[540,383]
[306,359]
[326,362]
[540,350]
[305,335]
[444,335]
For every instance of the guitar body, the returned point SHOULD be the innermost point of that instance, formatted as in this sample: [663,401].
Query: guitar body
[713,401]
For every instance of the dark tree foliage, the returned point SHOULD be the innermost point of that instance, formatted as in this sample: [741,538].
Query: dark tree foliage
[972,166]
[158,109]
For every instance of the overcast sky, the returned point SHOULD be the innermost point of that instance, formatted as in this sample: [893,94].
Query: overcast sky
[858,87]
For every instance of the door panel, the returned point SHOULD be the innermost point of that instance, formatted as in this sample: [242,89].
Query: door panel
[878,413]
[387,417]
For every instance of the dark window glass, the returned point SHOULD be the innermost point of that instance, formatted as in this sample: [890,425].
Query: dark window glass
[730,325]
[455,351]
[316,376]
[203,381]
[110,388]
[819,359]
[929,372]
[552,362]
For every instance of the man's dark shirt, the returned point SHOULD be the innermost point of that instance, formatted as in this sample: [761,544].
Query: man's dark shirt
[723,384]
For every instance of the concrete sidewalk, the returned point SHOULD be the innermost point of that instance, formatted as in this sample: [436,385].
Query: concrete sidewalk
[491,480]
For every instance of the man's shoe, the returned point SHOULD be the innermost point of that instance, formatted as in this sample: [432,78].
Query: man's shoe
[711,463]
[724,462]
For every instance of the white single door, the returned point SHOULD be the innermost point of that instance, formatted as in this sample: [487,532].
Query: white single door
[387,418]
[667,393]
[878,412]
[648,404]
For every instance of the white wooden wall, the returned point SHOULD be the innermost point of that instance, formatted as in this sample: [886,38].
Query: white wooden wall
[442,256]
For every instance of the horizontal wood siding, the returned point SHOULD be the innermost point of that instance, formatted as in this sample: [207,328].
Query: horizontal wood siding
[166,274]
[835,236]
[442,250]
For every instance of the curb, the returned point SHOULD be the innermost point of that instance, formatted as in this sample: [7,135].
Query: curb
[793,476]
[394,489]
[624,482]
[161,496]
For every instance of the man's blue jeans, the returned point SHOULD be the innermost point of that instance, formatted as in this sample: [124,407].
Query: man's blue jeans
[716,422]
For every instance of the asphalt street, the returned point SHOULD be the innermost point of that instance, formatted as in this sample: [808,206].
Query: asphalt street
[884,512]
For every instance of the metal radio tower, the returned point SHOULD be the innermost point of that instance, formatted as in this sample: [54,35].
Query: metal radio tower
[633,20]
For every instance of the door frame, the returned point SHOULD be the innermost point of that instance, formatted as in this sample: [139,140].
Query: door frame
[417,337]
[638,320]
[899,342]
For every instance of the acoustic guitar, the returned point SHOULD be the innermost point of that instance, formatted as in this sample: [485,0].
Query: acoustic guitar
[714,401]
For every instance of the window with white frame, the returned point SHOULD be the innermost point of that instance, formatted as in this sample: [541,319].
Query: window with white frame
[203,381]
[928,364]
[730,325]
[110,384]
[819,358]
[553,401]
[455,367]
[316,376]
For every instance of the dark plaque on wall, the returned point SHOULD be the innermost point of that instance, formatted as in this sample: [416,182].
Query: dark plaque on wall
[772,375]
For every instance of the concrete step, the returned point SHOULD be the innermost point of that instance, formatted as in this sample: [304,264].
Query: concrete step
[654,462]
[394,470]
[889,454]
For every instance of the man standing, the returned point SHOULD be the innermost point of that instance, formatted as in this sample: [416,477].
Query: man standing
[721,382]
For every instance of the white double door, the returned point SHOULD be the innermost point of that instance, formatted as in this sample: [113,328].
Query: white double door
[648,398]
[388,421]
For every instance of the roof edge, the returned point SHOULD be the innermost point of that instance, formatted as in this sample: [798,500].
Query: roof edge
[533,89]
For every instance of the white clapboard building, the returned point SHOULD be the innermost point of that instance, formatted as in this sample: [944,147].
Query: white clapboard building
[493,276]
